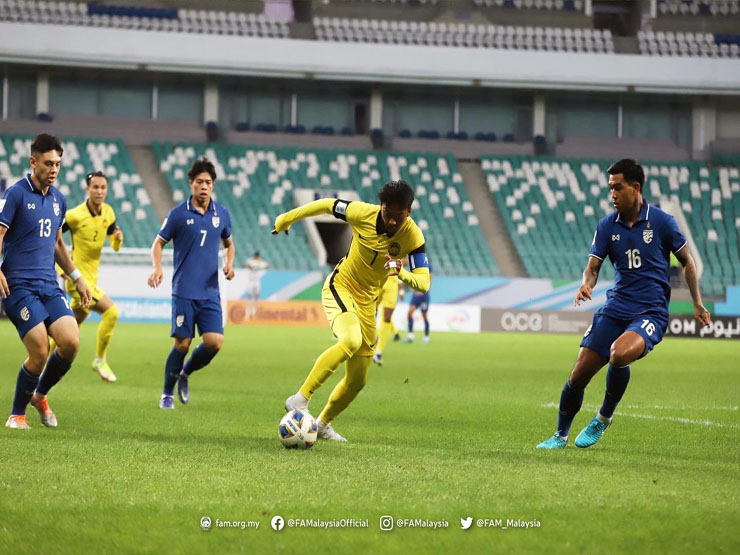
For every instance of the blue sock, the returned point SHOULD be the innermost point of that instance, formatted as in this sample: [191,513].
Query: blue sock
[411,325]
[426,327]
[571,400]
[616,384]
[172,369]
[55,369]
[201,357]
[24,388]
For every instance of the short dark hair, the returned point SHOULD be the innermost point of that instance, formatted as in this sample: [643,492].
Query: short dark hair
[201,165]
[44,143]
[89,177]
[631,170]
[256,253]
[397,193]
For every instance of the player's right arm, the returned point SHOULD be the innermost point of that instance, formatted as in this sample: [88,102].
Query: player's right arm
[4,290]
[155,279]
[315,208]
[166,232]
[590,277]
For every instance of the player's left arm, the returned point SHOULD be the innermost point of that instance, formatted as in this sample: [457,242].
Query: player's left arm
[230,254]
[418,278]
[62,257]
[692,280]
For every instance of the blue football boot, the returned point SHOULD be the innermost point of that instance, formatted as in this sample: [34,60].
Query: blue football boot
[591,434]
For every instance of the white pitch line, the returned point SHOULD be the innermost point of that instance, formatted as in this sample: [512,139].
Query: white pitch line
[663,418]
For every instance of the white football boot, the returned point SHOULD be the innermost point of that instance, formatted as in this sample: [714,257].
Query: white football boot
[325,431]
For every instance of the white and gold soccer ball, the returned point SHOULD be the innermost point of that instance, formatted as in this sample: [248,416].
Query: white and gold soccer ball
[297,430]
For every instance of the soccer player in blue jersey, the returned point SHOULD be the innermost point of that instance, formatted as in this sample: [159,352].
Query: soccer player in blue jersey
[638,239]
[197,228]
[32,213]
[421,301]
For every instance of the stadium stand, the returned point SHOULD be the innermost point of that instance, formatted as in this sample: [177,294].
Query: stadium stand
[257,185]
[143,18]
[126,194]
[551,208]
[432,33]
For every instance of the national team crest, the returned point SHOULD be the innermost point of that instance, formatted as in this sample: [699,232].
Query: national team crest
[56,209]
[394,249]
[216,221]
[179,321]
[647,235]
[25,315]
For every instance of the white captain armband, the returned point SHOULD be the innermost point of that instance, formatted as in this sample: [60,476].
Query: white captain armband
[339,210]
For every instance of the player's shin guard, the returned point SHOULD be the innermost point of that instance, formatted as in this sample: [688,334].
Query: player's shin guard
[105,331]
[346,327]
[385,334]
[571,400]
[346,390]
[201,357]
[55,369]
[172,369]
[616,384]
[25,385]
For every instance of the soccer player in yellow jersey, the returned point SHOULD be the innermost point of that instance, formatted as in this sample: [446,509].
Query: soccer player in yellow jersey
[381,236]
[89,224]
[387,304]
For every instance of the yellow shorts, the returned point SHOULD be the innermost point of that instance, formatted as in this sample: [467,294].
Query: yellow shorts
[389,294]
[76,303]
[337,299]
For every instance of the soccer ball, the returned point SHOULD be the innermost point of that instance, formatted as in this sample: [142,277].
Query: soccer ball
[297,430]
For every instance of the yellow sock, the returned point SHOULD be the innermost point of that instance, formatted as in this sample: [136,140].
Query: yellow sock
[105,331]
[385,334]
[349,339]
[346,390]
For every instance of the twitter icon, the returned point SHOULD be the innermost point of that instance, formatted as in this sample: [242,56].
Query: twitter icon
[466,523]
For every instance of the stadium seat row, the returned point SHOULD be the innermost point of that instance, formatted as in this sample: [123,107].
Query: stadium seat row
[462,34]
[553,206]
[699,7]
[184,20]
[566,5]
[688,44]
[257,184]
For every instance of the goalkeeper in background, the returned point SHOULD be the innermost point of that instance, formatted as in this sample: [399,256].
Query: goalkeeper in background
[89,224]
[381,237]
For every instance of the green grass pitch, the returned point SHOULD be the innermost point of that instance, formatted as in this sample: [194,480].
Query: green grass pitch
[442,431]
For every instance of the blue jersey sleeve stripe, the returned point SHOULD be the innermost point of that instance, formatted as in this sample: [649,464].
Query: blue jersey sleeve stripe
[163,239]
[678,249]
[5,225]
[595,256]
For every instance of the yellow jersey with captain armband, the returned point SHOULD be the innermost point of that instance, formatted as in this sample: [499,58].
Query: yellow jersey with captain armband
[88,233]
[362,270]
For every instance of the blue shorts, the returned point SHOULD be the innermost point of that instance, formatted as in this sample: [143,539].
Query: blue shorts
[186,313]
[421,301]
[28,305]
[604,330]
